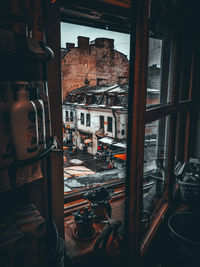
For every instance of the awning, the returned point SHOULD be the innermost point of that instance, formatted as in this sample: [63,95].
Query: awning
[106,140]
[119,145]
[120,156]
[87,141]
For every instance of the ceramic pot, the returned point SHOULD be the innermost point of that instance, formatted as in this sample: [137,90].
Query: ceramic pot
[84,229]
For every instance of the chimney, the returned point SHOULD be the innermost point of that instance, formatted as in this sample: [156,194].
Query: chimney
[105,42]
[83,42]
[102,82]
[69,46]
[122,80]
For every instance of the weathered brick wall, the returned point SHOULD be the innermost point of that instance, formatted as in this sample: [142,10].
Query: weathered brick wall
[97,61]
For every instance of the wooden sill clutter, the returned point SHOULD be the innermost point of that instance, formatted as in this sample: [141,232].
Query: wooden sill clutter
[77,249]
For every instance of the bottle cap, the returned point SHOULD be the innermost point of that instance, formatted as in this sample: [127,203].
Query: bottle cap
[21,82]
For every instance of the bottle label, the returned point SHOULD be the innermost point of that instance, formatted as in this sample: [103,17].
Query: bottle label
[40,126]
[32,141]
[47,123]
[29,173]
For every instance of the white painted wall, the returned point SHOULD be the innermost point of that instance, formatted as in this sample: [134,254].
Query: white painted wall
[94,120]
[69,108]
[95,113]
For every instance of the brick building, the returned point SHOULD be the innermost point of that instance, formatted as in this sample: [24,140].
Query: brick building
[92,63]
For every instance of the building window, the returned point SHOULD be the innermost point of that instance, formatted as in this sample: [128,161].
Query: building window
[109,124]
[101,122]
[71,116]
[87,119]
[82,118]
[67,116]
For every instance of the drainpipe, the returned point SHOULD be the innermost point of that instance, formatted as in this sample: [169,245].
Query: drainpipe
[75,118]
[113,111]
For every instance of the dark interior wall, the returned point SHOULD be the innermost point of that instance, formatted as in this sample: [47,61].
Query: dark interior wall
[195,131]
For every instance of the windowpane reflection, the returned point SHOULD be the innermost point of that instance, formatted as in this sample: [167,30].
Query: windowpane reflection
[160,58]
[155,169]
[154,72]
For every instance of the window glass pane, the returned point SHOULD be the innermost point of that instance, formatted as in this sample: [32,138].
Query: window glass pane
[67,116]
[181,135]
[82,118]
[155,169]
[87,119]
[160,59]
[109,124]
[101,122]
[71,116]
[185,65]
[154,72]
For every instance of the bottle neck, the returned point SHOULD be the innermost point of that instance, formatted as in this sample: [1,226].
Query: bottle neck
[40,89]
[22,95]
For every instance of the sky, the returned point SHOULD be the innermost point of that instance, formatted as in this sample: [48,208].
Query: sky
[70,32]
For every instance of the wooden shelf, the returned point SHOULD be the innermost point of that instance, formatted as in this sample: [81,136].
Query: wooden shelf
[19,171]
[21,163]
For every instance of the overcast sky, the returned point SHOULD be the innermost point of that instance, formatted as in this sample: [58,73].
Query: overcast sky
[70,32]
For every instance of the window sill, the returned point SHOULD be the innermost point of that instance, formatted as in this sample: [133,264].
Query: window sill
[76,194]
[76,202]
[77,250]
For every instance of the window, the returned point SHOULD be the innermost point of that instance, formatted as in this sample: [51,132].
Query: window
[82,118]
[71,116]
[109,129]
[155,168]
[157,94]
[101,122]
[67,115]
[153,137]
[160,60]
[87,119]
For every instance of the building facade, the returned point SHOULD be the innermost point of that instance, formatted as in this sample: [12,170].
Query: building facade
[92,63]
[95,118]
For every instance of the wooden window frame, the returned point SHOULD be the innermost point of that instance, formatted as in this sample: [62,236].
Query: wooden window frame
[139,116]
